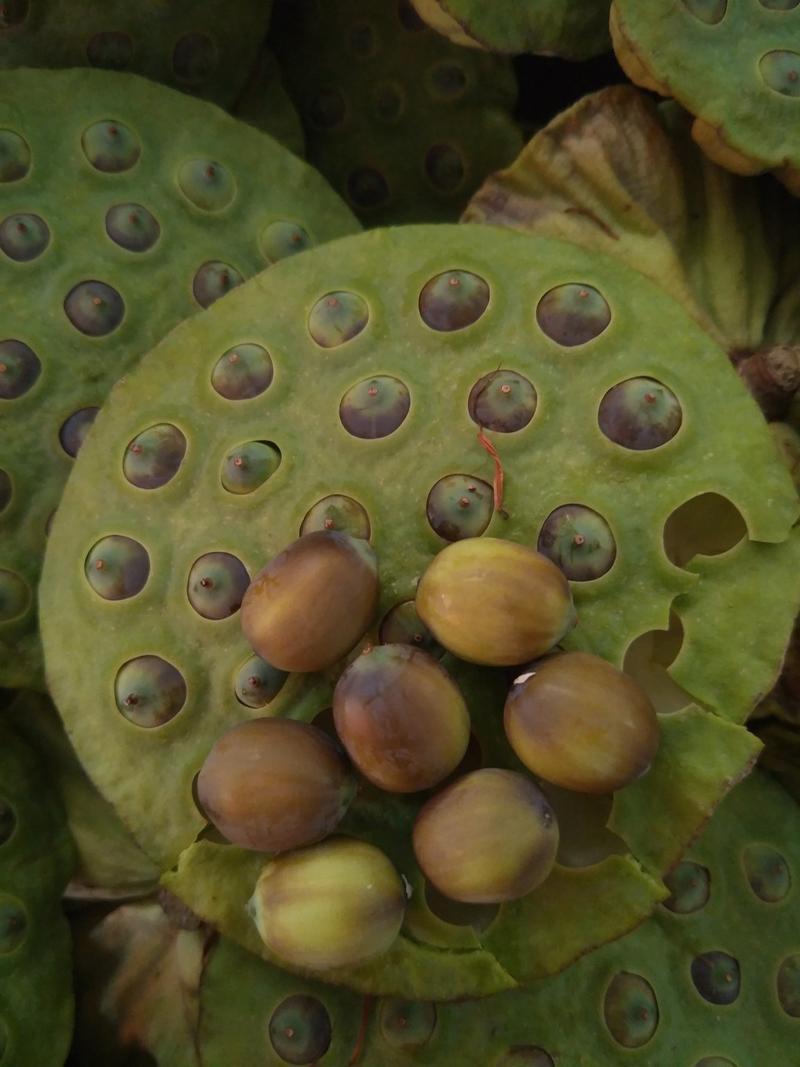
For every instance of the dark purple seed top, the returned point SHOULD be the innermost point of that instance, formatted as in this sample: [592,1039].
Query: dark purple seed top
[132,227]
[502,401]
[213,280]
[117,567]
[15,156]
[336,318]
[24,237]
[149,691]
[216,584]
[258,683]
[249,465]
[573,314]
[154,456]
[640,414]
[716,977]
[453,300]
[110,146]
[375,407]
[94,308]
[20,368]
[242,372]
[75,428]
[207,184]
[690,887]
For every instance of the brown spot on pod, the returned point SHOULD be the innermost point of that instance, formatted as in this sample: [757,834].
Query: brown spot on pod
[788,983]
[716,977]
[243,372]
[258,683]
[15,156]
[337,512]
[767,872]
[246,467]
[453,300]
[367,188]
[690,888]
[631,1010]
[20,368]
[401,625]
[24,237]
[154,456]
[282,238]
[15,595]
[336,318]
[8,822]
[579,541]
[709,11]
[375,407]
[207,184]
[194,59]
[573,314]
[13,924]
[640,414]
[149,691]
[117,567]
[406,1024]
[111,50]
[781,72]
[132,227]
[213,280]
[444,167]
[94,308]
[327,108]
[216,584]
[459,506]
[75,428]
[300,1030]
[502,401]
[110,146]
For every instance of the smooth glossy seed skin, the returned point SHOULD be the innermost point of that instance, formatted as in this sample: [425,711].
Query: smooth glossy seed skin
[717,977]
[258,683]
[243,372]
[154,456]
[690,886]
[15,156]
[310,605]
[332,905]
[149,691]
[216,584]
[213,280]
[582,724]
[573,314]
[767,872]
[206,184]
[401,625]
[640,414]
[402,718]
[495,602]
[75,428]
[282,238]
[337,512]
[490,837]
[132,227]
[406,1024]
[15,595]
[459,506]
[503,401]
[630,1009]
[117,567]
[248,466]
[20,368]
[300,1030]
[274,784]
[111,147]
[24,237]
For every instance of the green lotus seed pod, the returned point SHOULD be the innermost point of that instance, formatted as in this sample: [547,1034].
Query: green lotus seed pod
[577,721]
[274,784]
[490,837]
[333,905]
[309,606]
[402,718]
[495,602]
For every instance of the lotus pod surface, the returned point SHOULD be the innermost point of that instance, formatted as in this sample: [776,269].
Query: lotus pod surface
[393,308]
[265,103]
[746,104]
[402,123]
[545,27]
[192,45]
[124,207]
[36,858]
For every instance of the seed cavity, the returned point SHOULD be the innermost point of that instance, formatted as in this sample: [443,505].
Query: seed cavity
[282,238]
[258,683]
[526,1056]
[573,314]
[767,872]
[640,414]
[579,541]
[24,237]
[327,109]
[75,428]
[15,595]
[213,280]
[631,1010]
[336,318]
[15,156]
[149,691]
[362,41]
[716,977]
[780,5]
[502,401]
[243,372]
[207,184]
[217,582]
[781,72]
[706,525]
[367,188]
[647,660]
[447,80]
[690,888]
[406,1024]
[401,625]
[20,368]
[300,1029]
[6,490]
[375,407]
[246,467]
[337,512]
[583,836]
[456,912]
[194,59]
[460,506]
[715,1061]
[132,227]
[444,167]
[709,11]
[94,308]
[110,146]
[13,924]
[409,19]
[388,101]
[111,50]
[453,300]
[117,567]
[788,982]
[154,456]
[8,822]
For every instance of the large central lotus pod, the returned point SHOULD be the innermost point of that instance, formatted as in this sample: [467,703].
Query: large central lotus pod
[403,124]
[193,45]
[401,332]
[574,30]
[747,102]
[124,207]
[36,857]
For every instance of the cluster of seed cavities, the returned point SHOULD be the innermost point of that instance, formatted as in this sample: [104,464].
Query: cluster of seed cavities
[95,308]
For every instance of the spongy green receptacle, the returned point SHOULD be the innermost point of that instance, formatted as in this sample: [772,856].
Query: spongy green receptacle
[747,101]
[403,124]
[36,858]
[198,46]
[164,200]
[574,29]
[374,290]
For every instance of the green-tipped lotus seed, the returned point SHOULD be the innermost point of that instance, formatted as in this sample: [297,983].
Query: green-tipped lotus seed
[640,413]
[460,506]
[577,721]
[15,156]
[337,512]
[274,784]
[490,837]
[111,147]
[709,11]
[132,227]
[767,872]
[631,1010]
[402,718]
[310,605]
[690,888]
[94,308]
[248,466]
[149,691]
[453,300]
[13,924]
[502,401]
[401,625]
[332,905]
[788,983]
[216,585]
[243,372]
[24,237]
[716,977]
[495,602]
[20,368]
[573,314]
[207,184]
[75,428]
[375,407]
[213,280]
[337,318]
[300,1030]
[579,541]
[781,72]
[154,456]
[258,683]
[117,567]
[283,238]
[406,1024]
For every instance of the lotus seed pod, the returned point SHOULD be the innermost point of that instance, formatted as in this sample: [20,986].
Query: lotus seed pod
[402,718]
[274,784]
[490,837]
[310,605]
[333,905]
[577,721]
[495,602]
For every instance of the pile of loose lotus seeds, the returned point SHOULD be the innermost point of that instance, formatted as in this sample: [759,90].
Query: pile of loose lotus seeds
[399,533]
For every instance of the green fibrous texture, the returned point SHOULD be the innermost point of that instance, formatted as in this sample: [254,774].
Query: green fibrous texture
[150,205]
[574,29]
[147,681]
[198,46]
[404,125]
[36,860]
[747,102]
